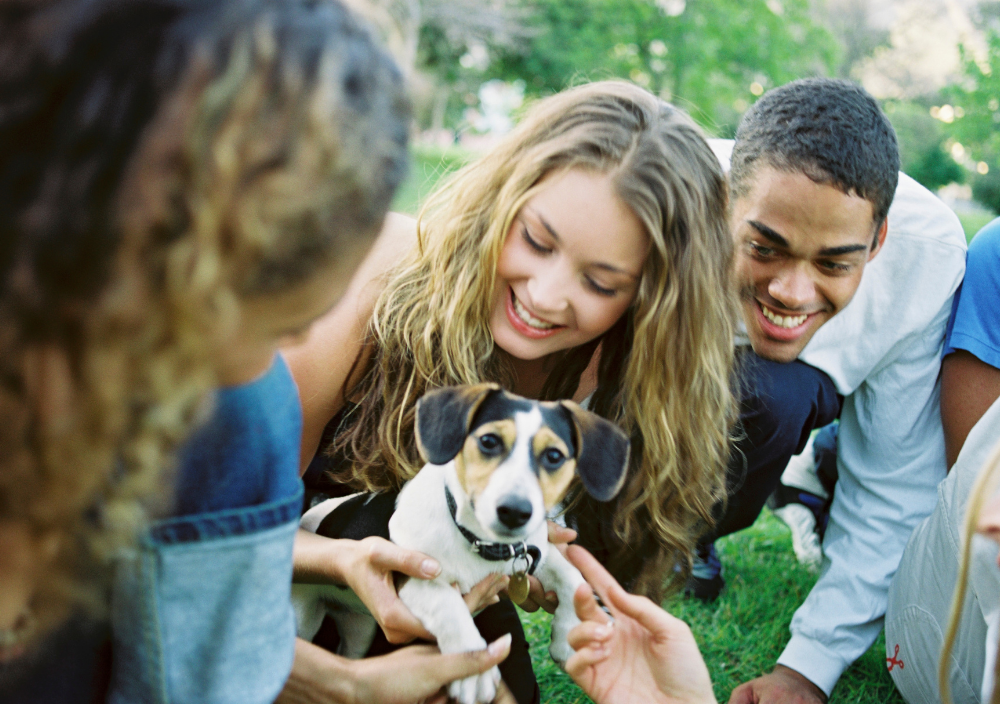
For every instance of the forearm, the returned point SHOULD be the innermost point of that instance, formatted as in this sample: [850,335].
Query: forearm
[969,387]
[887,485]
[317,677]
[319,560]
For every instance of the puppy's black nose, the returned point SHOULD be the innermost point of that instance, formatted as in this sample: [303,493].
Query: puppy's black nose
[514,511]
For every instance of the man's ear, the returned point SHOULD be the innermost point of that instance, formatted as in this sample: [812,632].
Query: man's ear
[880,234]
[444,417]
[602,452]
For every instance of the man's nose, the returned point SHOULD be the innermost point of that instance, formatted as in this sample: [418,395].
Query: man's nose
[793,287]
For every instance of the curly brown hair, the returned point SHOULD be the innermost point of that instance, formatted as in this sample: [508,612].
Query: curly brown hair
[162,161]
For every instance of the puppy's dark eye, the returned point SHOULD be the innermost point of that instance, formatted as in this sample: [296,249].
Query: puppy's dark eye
[490,444]
[552,459]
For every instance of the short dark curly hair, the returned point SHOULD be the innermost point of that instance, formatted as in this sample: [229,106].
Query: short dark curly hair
[161,162]
[831,130]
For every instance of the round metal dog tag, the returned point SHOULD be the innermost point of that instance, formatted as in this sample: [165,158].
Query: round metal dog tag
[517,588]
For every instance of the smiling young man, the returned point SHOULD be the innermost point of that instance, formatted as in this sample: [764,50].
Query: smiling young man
[847,270]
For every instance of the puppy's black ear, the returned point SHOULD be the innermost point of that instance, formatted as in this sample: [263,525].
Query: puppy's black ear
[602,451]
[444,417]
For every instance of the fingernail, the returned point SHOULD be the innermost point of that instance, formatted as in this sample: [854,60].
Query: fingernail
[602,632]
[499,645]
[430,567]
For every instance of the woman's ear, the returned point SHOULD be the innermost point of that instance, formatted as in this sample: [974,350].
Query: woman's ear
[602,452]
[444,417]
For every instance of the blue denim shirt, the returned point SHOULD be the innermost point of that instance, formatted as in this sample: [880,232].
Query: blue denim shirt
[201,609]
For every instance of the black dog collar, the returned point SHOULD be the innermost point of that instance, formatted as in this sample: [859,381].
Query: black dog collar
[494,552]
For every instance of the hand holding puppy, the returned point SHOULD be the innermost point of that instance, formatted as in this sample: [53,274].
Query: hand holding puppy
[367,566]
[417,673]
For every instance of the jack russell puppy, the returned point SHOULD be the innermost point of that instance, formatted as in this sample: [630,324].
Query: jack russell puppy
[496,464]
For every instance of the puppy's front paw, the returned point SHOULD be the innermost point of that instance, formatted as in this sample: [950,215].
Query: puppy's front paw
[560,651]
[481,689]
[564,621]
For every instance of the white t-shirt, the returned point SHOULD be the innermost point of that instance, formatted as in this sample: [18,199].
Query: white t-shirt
[984,576]
[883,352]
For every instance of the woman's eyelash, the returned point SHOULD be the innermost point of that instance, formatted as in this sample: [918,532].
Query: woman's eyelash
[600,289]
[533,243]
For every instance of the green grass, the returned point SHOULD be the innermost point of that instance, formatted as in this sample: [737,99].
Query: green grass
[974,221]
[741,634]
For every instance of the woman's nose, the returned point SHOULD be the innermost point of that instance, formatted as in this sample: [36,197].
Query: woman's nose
[547,290]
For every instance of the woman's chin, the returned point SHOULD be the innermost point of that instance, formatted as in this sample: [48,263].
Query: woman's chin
[520,347]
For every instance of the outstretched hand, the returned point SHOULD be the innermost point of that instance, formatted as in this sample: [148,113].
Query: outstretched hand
[643,654]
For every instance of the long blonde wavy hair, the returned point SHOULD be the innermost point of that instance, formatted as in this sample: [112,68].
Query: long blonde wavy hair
[982,491]
[242,147]
[664,373]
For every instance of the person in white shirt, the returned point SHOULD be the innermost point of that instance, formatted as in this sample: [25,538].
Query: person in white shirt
[921,593]
[837,280]
[921,590]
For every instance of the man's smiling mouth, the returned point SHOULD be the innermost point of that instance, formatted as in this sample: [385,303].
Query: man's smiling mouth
[782,321]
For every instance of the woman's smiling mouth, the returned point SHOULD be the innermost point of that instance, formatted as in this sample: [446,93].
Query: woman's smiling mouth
[527,324]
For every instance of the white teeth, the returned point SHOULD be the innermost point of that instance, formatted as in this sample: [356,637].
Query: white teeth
[528,318]
[790,321]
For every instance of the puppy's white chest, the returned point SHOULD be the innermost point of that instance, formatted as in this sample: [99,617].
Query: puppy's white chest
[423,521]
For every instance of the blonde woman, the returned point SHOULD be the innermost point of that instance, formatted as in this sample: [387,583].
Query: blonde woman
[585,257]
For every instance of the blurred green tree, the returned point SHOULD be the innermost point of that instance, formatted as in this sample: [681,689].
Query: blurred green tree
[976,101]
[921,145]
[457,41]
[712,57]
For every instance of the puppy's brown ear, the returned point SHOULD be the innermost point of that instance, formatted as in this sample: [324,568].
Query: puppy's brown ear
[602,451]
[444,417]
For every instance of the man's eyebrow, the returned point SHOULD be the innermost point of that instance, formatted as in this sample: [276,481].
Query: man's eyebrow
[768,234]
[772,236]
[846,249]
